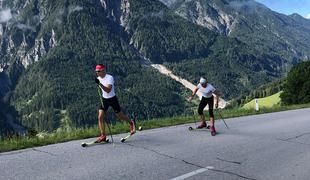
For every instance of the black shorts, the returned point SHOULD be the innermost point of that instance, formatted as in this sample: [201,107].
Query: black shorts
[203,103]
[113,102]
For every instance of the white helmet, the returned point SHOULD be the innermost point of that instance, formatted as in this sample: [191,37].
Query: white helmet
[202,80]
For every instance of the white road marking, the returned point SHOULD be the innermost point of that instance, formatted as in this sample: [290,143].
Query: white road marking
[193,173]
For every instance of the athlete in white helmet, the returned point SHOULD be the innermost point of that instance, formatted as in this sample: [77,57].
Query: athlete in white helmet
[207,98]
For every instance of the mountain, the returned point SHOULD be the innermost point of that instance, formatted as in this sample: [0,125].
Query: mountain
[301,21]
[285,38]
[48,50]
[56,86]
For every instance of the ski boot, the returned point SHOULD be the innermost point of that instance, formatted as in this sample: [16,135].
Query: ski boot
[101,138]
[213,131]
[132,127]
[202,125]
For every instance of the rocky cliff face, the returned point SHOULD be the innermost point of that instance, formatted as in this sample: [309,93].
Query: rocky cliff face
[117,10]
[27,33]
[30,29]
[207,15]
[286,37]
[26,37]
[23,41]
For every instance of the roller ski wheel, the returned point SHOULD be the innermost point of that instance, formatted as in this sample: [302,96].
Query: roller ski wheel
[86,144]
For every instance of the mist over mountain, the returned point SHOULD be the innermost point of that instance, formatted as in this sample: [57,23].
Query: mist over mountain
[48,50]
[284,36]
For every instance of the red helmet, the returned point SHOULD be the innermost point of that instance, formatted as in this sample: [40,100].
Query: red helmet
[100,67]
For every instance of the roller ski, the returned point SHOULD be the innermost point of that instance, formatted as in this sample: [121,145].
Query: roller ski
[129,135]
[132,131]
[96,142]
[204,126]
[200,127]
[212,129]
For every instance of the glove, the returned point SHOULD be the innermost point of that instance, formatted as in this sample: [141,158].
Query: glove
[97,81]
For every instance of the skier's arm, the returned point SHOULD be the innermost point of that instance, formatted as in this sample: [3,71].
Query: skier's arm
[216,93]
[107,88]
[193,94]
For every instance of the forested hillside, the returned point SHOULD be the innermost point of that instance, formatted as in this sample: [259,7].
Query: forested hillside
[283,39]
[192,51]
[48,50]
[62,84]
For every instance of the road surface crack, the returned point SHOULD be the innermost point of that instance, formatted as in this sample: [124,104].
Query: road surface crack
[165,155]
[234,162]
[232,173]
[187,162]
[43,152]
[295,137]
[13,152]
[295,142]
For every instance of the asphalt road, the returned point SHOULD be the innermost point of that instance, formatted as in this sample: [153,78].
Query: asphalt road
[269,146]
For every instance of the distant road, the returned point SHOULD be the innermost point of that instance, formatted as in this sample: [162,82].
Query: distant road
[266,147]
[145,62]
[164,70]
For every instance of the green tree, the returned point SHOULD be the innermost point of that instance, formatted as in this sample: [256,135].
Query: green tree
[297,87]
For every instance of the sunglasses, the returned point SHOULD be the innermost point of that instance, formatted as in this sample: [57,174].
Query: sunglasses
[98,71]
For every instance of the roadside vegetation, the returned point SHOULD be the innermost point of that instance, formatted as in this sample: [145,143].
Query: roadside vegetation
[60,135]
[295,95]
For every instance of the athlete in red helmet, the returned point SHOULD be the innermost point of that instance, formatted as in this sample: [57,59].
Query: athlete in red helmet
[106,83]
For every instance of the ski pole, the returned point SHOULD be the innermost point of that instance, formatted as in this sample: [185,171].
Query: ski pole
[190,127]
[195,121]
[108,124]
[100,95]
[222,118]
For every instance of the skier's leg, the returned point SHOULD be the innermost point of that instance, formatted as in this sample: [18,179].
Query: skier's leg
[121,116]
[201,106]
[211,114]
[101,115]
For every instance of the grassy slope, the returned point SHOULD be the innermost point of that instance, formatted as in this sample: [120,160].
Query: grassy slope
[268,101]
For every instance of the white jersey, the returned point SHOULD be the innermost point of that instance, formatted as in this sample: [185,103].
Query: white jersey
[108,79]
[206,92]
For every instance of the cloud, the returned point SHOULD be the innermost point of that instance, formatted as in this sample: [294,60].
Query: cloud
[25,27]
[5,15]
[241,4]
[75,8]
[308,16]
[59,15]
[159,14]
[169,2]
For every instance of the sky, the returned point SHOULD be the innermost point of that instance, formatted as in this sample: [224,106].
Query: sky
[302,7]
